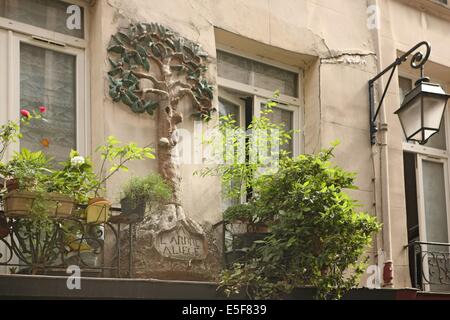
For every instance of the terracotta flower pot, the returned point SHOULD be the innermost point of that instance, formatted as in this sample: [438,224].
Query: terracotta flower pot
[20,204]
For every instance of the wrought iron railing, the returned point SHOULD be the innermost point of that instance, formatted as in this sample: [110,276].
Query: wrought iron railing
[99,250]
[430,265]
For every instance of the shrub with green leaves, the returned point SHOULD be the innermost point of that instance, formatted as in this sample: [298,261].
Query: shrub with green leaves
[151,189]
[317,233]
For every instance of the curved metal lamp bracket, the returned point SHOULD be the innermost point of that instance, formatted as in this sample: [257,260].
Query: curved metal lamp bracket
[418,61]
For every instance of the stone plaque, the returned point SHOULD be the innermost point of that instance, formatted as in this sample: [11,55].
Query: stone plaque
[181,244]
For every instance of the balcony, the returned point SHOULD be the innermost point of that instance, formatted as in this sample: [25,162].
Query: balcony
[97,249]
[430,266]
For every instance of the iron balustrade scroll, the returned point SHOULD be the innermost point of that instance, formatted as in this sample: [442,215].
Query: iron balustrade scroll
[97,249]
[430,269]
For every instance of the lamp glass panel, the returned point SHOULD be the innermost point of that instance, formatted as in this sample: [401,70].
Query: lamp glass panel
[429,133]
[410,117]
[433,111]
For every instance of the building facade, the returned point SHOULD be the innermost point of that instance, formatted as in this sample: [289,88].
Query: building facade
[319,54]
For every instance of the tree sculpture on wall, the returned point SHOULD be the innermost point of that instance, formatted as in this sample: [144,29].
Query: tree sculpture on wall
[152,70]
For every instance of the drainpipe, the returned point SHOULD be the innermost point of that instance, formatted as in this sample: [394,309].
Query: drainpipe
[383,162]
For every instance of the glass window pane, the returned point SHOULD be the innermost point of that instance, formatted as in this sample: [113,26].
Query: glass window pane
[256,74]
[227,108]
[435,201]
[435,256]
[48,78]
[233,67]
[285,117]
[272,78]
[47,14]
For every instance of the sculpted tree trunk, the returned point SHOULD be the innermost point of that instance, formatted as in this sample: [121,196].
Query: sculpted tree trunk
[152,70]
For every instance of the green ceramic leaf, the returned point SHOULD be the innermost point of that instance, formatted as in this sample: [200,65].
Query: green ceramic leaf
[117,49]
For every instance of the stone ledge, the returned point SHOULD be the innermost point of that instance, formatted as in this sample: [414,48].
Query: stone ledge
[54,287]
[51,287]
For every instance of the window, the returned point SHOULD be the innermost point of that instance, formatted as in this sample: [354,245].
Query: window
[256,74]
[49,77]
[46,14]
[246,84]
[43,72]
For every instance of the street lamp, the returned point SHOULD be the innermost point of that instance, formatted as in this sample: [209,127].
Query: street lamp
[422,109]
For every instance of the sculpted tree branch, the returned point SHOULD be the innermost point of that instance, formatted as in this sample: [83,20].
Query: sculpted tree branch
[142,75]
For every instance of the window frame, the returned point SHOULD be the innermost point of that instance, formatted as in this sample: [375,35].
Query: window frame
[296,120]
[53,36]
[13,34]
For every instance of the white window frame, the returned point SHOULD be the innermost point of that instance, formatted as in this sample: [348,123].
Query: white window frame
[56,37]
[296,120]
[237,102]
[18,32]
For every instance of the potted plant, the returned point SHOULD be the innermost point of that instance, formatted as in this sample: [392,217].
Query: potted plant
[10,133]
[140,193]
[117,156]
[31,173]
[26,175]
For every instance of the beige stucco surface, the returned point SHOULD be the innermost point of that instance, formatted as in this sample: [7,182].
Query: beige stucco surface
[328,39]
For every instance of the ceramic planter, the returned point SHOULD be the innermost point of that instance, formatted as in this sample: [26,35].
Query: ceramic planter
[20,203]
[98,211]
[133,210]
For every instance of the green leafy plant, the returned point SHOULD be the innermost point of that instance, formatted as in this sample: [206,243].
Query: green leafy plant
[317,235]
[10,133]
[151,189]
[76,178]
[117,156]
[262,144]
[29,168]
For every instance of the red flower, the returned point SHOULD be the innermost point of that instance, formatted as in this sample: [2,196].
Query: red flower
[25,113]
[42,109]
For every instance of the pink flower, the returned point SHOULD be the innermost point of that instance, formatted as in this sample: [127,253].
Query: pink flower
[42,109]
[25,113]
